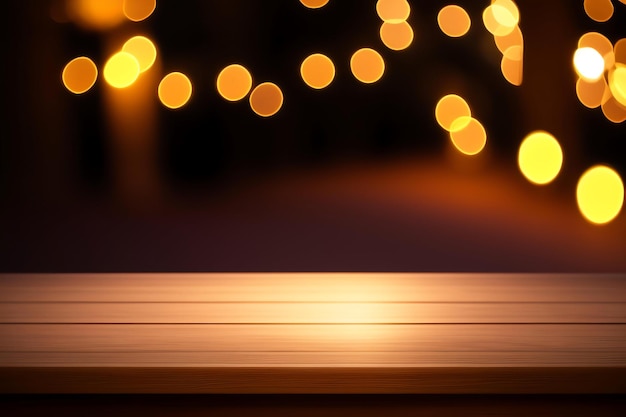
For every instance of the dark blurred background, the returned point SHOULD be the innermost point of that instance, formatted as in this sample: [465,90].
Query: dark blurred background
[350,178]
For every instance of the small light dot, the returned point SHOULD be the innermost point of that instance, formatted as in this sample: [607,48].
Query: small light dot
[393,11]
[468,135]
[175,90]
[138,10]
[121,70]
[454,21]
[588,63]
[143,50]
[367,65]
[599,10]
[450,108]
[79,75]
[396,36]
[314,4]
[266,99]
[317,71]
[540,157]
[600,194]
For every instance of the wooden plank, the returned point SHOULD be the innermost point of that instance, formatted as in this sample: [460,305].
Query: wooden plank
[319,359]
[308,333]
[321,313]
[310,338]
[314,380]
[313,287]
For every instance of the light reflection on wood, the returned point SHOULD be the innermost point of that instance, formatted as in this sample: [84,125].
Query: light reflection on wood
[73,326]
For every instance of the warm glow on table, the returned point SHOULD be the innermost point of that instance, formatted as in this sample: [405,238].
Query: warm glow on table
[296,332]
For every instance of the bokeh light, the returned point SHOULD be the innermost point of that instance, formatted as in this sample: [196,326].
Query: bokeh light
[317,71]
[96,14]
[121,70]
[79,75]
[450,108]
[266,99]
[234,82]
[501,17]
[614,111]
[175,90]
[600,43]
[617,83]
[143,50]
[367,65]
[540,157]
[592,94]
[512,66]
[138,10]
[468,135]
[505,42]
[454,21]
[314,4]
[588,63]
[599,10]
[600,194]
[396,36]
[619,51]
[393,11]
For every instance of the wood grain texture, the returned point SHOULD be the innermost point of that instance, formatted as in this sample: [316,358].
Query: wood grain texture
[308,312]
[313,287]
[313,333]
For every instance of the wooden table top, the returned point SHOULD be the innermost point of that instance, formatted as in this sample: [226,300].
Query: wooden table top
[313,333]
